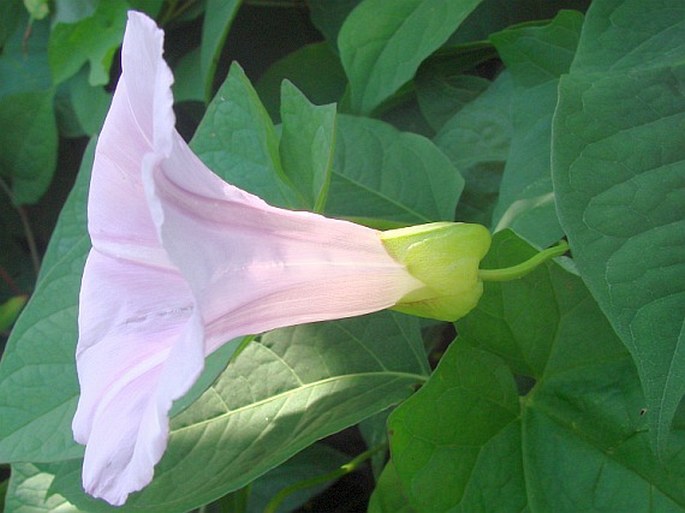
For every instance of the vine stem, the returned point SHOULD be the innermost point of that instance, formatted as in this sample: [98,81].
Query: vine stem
[28,232]
[520,270]
[345,469]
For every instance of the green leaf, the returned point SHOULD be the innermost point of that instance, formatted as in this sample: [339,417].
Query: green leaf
[307,145]
[71,11]
[441,95]
[218,18]
[38,9]
[314,69]
[280,395]
[389,495]
[93,39]
[437,434]
[24,63]
[90,103]
[314,461]
[618,153]
[10,11]
[188,82]
[382,43]
[536,56]
[385,174]
[477,139]
[577,441]
[29,492]
[329,16]
[38,386]
[238,141]
[494,15]
[28,137]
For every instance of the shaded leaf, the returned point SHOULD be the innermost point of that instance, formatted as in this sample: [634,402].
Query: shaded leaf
[477,139]
[536,56]
[382,43]
[314,69]
[389,496]
[28,137]
[218,17]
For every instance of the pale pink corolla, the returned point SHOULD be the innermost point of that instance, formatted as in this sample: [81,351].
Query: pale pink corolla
[181,263]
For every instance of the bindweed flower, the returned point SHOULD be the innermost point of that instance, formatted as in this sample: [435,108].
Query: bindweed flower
[182,262]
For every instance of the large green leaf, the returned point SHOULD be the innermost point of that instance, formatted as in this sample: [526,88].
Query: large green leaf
[38,386]
[382,43]
[307,145]
[536,57]
[380,172]
[437,435]
[218,18]
[90,40]
[28,138]
[477,140]
[618,153]
[577,439]
[292,388]
[237,140]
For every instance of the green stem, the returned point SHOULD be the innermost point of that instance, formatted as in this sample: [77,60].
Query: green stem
[28,232]
[345,469]
[520,270]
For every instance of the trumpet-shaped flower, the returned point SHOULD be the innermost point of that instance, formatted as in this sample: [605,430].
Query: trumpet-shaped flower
[183,262]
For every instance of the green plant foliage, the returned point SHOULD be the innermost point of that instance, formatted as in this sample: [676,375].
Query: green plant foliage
[536,57]
[37,380]
[382,43]
[28,135]
[271,402]
[219,15]
[561,391]
[238,141]
[477,140]
[307,146]
[371,178]
[90,40]
[314,69]
[572,443]
[618,171]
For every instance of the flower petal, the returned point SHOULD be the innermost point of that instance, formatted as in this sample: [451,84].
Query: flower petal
[254,267]
[134,320]
[183,262]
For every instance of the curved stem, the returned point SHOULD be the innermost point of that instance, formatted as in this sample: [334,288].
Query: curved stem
[345,469]
[520,270]
[28,232]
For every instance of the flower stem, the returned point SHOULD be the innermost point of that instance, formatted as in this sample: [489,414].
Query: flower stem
[520,270]
[345,469]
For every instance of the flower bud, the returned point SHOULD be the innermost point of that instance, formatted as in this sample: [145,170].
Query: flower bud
[445,257]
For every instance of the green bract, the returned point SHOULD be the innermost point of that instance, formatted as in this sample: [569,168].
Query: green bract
[445,257]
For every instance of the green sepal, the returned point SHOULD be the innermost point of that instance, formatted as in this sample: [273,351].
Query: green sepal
[445,257]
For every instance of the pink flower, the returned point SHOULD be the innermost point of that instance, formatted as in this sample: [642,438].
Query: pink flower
[181,263]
